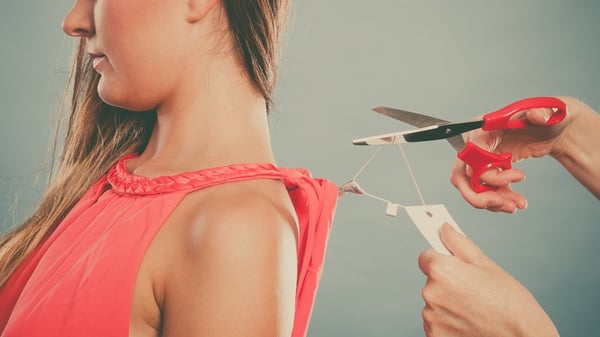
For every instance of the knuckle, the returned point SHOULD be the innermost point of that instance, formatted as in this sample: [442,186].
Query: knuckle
[427,294]
[438,268]
[427,315]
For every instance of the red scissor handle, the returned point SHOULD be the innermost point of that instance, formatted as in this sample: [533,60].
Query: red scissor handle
[501,119]
[481,160]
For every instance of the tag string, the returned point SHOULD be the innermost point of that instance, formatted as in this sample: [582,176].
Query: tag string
[412,175]
[367,163]
[410,171]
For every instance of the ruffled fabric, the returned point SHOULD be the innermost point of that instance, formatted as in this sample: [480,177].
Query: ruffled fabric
[124,182]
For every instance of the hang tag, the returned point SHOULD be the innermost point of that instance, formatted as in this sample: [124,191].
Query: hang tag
[429,220]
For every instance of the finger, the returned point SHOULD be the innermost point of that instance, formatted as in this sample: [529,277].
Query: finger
[496,177]
[462,182]
[504,199]
[501,179]
[513,199]
[425,260]
[507,207]
[538,116]
[459,245]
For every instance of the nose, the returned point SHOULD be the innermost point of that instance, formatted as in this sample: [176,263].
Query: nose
[79,22]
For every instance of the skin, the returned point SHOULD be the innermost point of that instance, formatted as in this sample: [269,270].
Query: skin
[224,263]
[573,143]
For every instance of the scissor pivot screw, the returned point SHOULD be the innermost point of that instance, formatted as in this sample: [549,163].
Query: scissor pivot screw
[448,131]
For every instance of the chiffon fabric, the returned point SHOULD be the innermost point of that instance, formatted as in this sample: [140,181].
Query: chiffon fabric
[80,280]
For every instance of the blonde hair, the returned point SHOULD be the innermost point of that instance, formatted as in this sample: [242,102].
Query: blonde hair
[98,134]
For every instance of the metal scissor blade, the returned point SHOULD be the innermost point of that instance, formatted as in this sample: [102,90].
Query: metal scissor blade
[457,142]
[408,117]
[420,121]
[389,138]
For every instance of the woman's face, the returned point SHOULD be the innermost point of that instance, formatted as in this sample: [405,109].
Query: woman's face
[138,47]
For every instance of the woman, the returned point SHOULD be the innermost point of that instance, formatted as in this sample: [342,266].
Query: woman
[168,216]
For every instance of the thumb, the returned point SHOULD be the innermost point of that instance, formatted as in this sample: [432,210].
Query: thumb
[459,245]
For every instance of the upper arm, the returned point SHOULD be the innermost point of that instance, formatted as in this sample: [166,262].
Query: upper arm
[235,274]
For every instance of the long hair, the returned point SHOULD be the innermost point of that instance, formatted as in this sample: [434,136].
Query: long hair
[97,134]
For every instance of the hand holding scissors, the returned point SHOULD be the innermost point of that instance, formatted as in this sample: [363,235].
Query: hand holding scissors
[511,117]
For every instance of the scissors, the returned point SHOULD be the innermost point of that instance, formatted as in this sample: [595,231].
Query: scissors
[480,160]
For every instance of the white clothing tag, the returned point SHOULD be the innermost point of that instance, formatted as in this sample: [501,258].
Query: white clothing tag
[429,220]
[391,210]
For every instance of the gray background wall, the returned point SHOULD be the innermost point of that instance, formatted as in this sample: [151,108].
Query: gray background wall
[454,59]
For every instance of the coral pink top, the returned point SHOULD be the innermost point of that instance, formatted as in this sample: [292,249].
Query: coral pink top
[79,282]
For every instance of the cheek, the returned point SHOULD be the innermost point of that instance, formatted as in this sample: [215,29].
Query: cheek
[144,52]
[134,23]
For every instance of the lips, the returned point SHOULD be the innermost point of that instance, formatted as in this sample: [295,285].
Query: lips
[97,58]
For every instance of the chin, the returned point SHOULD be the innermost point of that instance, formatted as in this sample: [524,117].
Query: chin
[121,99]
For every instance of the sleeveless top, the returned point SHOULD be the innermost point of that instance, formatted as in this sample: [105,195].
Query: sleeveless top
[80,280]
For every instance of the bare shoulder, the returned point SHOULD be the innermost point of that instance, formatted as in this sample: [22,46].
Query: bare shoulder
[234,260]
[249,210]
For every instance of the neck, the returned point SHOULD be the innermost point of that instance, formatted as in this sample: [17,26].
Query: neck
[214,117]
